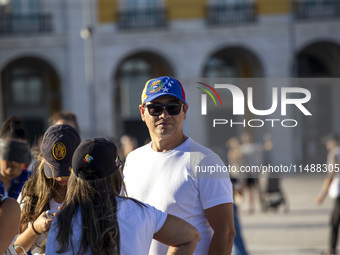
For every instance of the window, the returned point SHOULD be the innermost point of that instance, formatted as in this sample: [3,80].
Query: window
[25,17]
[220,68]
[30,90]
[141,14]
[134,73]
[26,6]
[26,87]
[221,12]
[140,4]
[316,9]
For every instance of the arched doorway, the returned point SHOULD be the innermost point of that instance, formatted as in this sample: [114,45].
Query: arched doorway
[132,74]
[233,62]
[317,60]
[230,62]
[30,90]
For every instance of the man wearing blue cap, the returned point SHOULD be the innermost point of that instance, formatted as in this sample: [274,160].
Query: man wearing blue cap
[162,173]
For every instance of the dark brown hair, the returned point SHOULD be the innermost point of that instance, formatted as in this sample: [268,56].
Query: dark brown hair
[64,115]
[13,128]
[97,203]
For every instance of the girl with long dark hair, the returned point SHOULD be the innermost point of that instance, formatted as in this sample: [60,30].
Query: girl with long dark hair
[95,219]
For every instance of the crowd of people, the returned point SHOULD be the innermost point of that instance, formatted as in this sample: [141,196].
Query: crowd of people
[68,196]
[72,196]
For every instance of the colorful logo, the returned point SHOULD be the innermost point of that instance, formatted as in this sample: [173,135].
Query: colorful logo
[117,160]
[209,93]
[88,159]
[59,151]
[204,97]
[155,86]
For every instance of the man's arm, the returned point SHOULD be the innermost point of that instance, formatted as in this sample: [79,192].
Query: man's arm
[331,160]
[221,220]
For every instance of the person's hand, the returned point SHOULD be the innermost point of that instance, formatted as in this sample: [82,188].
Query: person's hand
[320,199]
[240,191]
[42,224]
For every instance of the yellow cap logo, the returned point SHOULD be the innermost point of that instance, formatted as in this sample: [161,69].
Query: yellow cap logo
[59,151]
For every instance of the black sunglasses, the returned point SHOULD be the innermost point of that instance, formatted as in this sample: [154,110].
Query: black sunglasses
[157,109]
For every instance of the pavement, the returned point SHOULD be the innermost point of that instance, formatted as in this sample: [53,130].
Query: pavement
[302,230]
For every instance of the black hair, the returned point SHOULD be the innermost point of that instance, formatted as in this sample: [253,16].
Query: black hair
[13,128]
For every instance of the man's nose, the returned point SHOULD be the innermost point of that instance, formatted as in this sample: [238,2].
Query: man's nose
[164,113]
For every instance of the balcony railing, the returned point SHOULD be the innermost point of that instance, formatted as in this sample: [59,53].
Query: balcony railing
[316,10]
[25,24]
[231,13]
[150,18]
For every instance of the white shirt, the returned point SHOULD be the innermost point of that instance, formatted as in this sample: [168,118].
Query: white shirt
[334,189]
[170,182]
[35,249]
[137,225]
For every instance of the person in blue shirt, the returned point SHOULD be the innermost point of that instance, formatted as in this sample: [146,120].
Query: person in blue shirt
[15,155]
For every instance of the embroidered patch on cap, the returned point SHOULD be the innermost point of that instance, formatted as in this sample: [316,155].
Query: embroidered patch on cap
[59,151]
[155,86]
[117,160]
[88,159]
[162,86]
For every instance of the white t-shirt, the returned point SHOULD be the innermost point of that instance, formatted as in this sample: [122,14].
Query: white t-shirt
[334,189]
[175,182]
[137,225]
[35,249]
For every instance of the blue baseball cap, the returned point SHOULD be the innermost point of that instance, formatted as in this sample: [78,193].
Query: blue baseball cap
[58,145]
[162,86]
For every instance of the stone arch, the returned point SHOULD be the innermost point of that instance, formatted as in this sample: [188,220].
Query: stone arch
[230,62]
[233,61]
[318,59]
[31,90]
[129,79]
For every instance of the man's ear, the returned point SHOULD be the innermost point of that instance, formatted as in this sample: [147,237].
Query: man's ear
[186,107]
[185,110]
[142,112]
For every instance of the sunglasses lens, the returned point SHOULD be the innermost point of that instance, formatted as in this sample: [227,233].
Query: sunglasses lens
[157,109]
[173,109]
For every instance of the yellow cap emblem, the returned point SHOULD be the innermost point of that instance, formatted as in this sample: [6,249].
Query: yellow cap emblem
[59,151]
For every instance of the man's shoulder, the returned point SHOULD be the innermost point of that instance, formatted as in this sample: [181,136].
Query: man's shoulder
[189,146]
[141,149]
[196,147]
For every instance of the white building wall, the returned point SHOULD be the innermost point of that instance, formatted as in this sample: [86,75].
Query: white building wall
[80,97]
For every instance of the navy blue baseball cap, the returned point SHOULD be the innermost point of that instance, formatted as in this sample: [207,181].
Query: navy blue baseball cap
[58,145]
[16,151]
[95,158]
